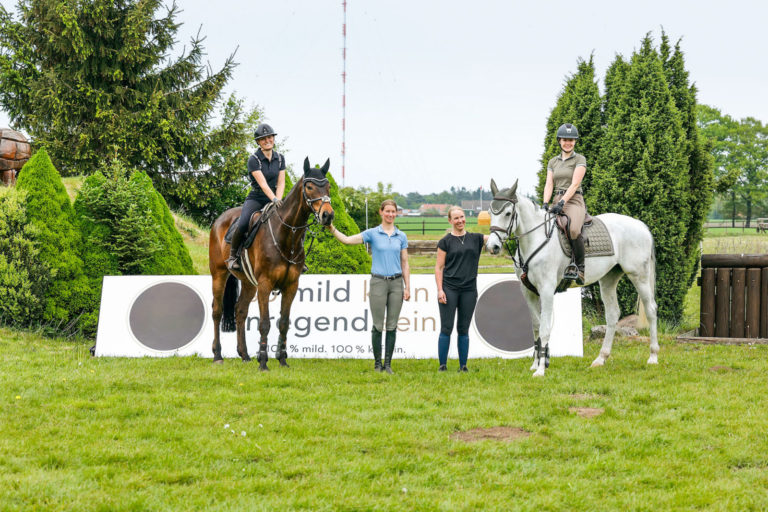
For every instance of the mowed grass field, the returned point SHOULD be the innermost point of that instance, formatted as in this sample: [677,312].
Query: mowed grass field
[86,434]
[110,434]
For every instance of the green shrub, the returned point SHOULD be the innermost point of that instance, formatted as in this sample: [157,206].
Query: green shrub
[24,278]
[49,211]
[328,255]
[126,229]
[173,256]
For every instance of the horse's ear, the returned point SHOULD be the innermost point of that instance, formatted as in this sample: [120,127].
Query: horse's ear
[494,188]
[326,166]
[306,165]
[513,190]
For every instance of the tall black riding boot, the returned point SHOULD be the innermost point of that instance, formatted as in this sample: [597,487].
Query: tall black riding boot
[376,344]
[233,262]
[578,255]
[389,350]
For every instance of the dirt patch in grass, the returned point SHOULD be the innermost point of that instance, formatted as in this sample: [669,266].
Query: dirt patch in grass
[721,369]
[494,433]
[587,412]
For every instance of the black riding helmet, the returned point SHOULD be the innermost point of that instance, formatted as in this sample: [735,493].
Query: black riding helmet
[263,130]
[567,131]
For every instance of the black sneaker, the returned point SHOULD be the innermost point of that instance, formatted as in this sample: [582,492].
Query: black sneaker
[463,369]
[442,368]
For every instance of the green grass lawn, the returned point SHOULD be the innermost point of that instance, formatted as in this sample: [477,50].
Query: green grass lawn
[86,434]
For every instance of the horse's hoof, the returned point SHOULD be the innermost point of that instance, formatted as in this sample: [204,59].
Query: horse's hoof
[246,359]
[538,373]
[534,366]
[653,359]
[218,361]
[597,362]
[263,368]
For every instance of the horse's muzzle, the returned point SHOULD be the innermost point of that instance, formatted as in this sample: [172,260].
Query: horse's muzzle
[326,217]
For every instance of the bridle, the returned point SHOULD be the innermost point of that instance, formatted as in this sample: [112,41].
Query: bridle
[320,182]
[309,201]
[508,239]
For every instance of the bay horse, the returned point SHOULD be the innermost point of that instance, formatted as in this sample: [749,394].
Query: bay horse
[273,261]
[542,265]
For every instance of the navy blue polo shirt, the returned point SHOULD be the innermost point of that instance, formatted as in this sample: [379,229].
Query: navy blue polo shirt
[385,250]
[269,168]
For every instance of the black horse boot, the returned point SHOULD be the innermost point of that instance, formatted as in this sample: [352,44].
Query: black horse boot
[376,344]
[390,349]
[578,254]
[233,262]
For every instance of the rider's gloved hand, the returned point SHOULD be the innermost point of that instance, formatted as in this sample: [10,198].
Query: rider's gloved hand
[558,208]
[545,207]
[278,202]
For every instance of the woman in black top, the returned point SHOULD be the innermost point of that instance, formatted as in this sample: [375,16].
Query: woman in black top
[458,254]
[266,170]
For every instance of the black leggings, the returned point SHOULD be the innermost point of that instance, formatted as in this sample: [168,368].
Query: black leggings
[464,302]
[249,207]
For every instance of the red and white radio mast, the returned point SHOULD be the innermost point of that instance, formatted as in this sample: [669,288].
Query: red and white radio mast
[344,97]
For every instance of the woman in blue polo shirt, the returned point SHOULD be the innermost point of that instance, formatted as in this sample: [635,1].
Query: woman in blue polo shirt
[390,278]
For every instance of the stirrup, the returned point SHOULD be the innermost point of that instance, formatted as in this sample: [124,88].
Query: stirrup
[233,263]
[571,272]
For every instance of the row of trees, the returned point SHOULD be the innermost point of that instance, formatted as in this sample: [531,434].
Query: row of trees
[740,149]
[645,158]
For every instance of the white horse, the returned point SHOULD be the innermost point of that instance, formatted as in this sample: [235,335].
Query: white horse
[541,261]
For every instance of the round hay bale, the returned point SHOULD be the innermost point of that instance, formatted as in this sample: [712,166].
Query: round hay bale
[483,219]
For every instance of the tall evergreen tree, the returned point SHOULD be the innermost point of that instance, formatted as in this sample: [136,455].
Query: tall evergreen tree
[94,80]
[699,161]
[579,104]
[50,212]
[642,170]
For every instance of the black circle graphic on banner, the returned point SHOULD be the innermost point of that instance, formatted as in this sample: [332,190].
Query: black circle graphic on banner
[502,317]
[167,316]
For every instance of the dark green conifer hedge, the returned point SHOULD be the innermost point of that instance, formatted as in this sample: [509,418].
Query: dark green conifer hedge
[644,159]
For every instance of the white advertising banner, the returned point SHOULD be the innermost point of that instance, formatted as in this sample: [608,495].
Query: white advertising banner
[171,316]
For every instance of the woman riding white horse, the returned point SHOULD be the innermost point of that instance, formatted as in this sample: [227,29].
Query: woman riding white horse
[541,262]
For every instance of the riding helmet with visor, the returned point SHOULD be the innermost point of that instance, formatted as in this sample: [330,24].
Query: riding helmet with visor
[263,130]
[567,131]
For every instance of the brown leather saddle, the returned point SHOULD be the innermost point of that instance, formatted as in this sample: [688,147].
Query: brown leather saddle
[257,219]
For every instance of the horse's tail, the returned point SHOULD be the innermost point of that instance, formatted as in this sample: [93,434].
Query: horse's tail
[231,291]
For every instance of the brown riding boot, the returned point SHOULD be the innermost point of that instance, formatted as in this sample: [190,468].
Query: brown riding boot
[578,255]
[233,262]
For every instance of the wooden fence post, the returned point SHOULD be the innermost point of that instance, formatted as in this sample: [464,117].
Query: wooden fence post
[707,315]
[723,302]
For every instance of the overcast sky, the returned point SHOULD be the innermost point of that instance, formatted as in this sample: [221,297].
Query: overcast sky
[453,93]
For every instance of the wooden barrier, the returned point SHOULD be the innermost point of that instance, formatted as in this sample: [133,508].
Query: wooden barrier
[734,296]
